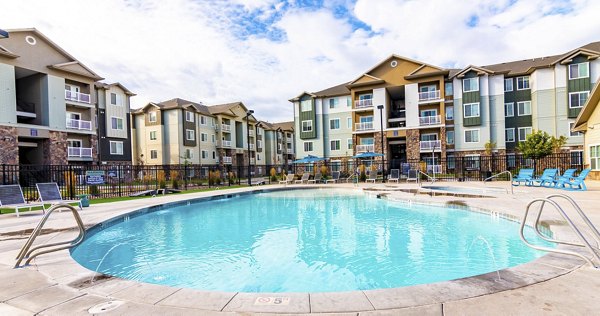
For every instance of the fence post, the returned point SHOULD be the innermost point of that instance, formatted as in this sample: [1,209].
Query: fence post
[3,173]
[119,175]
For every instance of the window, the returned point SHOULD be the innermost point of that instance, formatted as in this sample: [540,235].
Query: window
[349,142]
[523,83]
[154,154]
[204,154]
[306,106]
[450,137]
[116,123]
[153,135]
[214,154]
[152,117]
[115,99]
[470,84]
[471,110]
[472,136]
[307,126]
[450,161]
[508,84]
[349,122]
[213,138]
[595,157]
[189,116]
[450,113]
[571,133]
[576,157]
[580,70]
[428,137]
[334,124]
[202,120]
[509,109]
[116,148]
[425,113]
[511,161]
[203,137]
[308,146]
[259,143]
[577,99]
[448,89]
[509,135]
[524,132]
[190,134]
[334,144]
[524,108]
[365,96]
[472,162]
[333,103]
[189,154]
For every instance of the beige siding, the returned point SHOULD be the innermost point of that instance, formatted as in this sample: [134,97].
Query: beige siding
[8,94]
[119,110]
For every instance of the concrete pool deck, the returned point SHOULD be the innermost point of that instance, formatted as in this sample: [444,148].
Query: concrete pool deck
[54,284]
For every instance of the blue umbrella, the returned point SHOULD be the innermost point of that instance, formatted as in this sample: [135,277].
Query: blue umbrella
[368,154]
[309,159]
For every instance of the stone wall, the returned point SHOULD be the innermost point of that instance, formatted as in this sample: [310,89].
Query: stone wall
[413,148]
[9,145]
[377,145]
[55,149]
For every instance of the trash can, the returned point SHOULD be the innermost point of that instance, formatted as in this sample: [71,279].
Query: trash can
[85,201]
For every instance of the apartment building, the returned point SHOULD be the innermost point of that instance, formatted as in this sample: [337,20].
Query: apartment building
[236,134]
[588,123]
[424,112]
[279,148]
[49,105]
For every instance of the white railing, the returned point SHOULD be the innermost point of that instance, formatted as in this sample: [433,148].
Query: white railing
[251,146]
[363,103]
[289,139]
[227,160]
[430,144]
[259,144]
[225,127]
[225,143]
[251,133]
[77,97]
[290,161]
[252,161]
[434,169]
[79,152]
[289,151]
[429,95]
[430,120]
[79,124]
[365,148]
[365,126]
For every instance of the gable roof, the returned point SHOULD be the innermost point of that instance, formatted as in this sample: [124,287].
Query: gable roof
[285,126]
[478,70]
[588,108]
[333,91]
[297,98]
[178,103]
[226,109]
[106,86]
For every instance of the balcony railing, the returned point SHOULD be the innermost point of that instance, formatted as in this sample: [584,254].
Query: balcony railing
[252,161]
[428,145]
[77,97]
[79,152]
[251,133]
[434,169]
[289,151]
[79,124]
[365,126]
[289,139]
[429,95]
[365,148]
[227,160]
[225,143]
[363,103]
[224,127]
[251,146]
[430,120]
[290,161]
[259,144]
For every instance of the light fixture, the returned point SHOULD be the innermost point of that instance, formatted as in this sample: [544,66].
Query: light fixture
[250,112]
[3,34]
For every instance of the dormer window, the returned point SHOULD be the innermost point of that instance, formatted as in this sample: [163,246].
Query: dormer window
[152,117]
[470,84]
[581,70]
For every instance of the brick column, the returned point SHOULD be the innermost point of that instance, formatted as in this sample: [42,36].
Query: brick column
[413,149]
[55,149]
[9,145]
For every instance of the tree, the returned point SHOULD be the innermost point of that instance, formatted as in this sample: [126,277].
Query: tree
[539,144]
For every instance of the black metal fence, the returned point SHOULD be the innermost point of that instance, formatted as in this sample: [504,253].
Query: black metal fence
[124,180]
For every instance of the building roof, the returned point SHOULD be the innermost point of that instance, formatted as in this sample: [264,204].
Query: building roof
[222,108]
[581,123]
[106,86]
[285,126]
[333,91]
[266,125]
[178,103]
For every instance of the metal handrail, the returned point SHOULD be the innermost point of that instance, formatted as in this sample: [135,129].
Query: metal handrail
[428,176]
[28,253]
[585,242]
[498,174]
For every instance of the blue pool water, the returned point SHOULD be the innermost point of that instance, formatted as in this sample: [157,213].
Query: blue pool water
[302,241]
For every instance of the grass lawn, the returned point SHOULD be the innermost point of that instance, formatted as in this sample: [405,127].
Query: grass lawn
[123,198]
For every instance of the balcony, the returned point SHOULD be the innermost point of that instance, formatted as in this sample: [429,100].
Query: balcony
[429,145]
[251,133]
[251,146]
[77,97]
[79,152]
[259,144]
[429,95]
[79,124]
[227,160]
[225,143]
[365,126]
[289,139]
[366,103]
[252,161]
[290,161]
[224,127]
[430,120]
[365,148]
[289,151]
[434,169]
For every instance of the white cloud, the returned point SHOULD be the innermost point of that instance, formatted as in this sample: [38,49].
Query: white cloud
[199,50]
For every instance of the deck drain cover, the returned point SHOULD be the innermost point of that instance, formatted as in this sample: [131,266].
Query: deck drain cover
[105,307]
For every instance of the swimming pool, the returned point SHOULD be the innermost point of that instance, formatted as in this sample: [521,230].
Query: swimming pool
[301,241]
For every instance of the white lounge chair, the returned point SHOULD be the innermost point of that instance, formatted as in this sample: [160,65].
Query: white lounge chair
[11,196]
[316,179]
[335,177]
[288,179]
[305,177]
[372,176]
[394,175]
[50,194]
[413,175]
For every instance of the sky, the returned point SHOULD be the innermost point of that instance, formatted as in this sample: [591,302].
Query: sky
[265,52]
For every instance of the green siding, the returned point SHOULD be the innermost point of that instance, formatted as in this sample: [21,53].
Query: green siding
[517,121]
[472,121]
[308,116]
[577,85]
[472,97]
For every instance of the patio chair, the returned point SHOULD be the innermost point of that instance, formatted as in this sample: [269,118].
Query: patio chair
[547,177]
[412,175]
[49,193]
[567,176]
[288,179]
[305,177]
[394,175]
[335,177]
[372,176]
[577,183]
[11,196]
[525,176]
[316,179]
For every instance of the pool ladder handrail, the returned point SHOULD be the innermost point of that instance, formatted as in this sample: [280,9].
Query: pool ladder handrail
[428,176]
[501,173]
[28,253]
[595,251]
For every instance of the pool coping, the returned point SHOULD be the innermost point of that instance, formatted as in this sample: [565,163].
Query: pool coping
[542,269]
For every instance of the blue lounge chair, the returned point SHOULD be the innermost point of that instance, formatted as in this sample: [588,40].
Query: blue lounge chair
[576,184]
[567,176]
[525,175]
[547,178]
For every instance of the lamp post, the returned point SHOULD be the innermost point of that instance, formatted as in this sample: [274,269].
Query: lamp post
[248,141]
[380,107]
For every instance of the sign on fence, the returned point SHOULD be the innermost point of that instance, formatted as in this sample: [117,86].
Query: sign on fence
[94,177]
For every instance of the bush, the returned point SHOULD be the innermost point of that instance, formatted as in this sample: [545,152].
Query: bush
[363,174]
[93,190]
[162,184]
[273,174]
[174,183]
